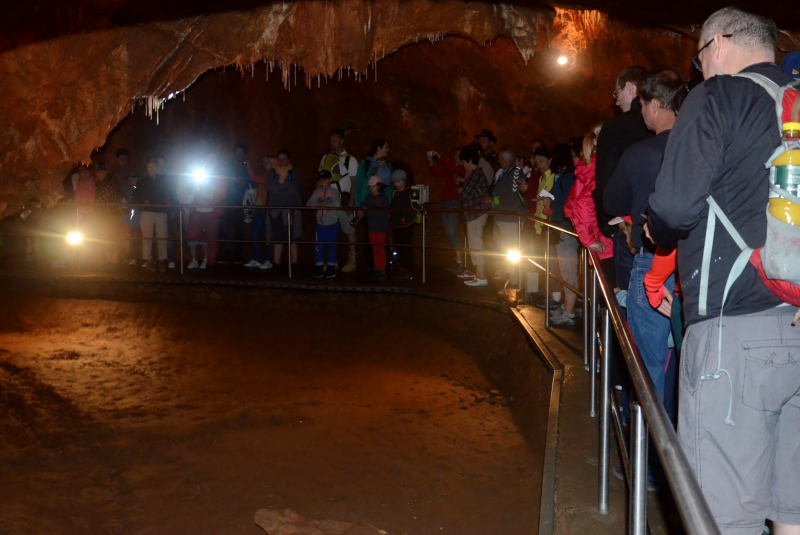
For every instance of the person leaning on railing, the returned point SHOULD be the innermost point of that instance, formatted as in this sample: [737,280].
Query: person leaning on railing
[472,192]
[152,191]
[739,406]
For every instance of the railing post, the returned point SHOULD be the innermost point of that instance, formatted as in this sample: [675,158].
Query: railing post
[605,411]
[593,342]
[180,235]
[519,250]
[424,246]
[547,278]
[593,374]
[289,240]
[637,519]
[586,339]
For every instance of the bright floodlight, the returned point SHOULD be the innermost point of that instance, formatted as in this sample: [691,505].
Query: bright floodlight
[74,238]
[200,176]
[562,60]
[513,256]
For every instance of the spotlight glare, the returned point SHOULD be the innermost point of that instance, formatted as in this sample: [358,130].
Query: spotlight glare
[200,176]
[562,60]
[74,238]
[513,256]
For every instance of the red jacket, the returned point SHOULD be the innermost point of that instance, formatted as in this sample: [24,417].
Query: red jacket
[448,170]
[579,208]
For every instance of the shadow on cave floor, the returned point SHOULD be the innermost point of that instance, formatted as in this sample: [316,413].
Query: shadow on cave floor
[185,413]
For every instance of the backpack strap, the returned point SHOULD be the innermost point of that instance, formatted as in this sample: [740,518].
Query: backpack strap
[774,90]
[714,212]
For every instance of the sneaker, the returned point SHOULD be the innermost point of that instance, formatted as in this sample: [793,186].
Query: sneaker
[145,264]
[378,275]
[466,274]
[563,319]
[223,262]
[193,265]
[477,282]
[351,263]
[266,265]
[403,276]
[318,272]
[456,268]
[330,271]
[253,264]
[204,263]
[617,472]
[132,262]
[553,304]
[171,265]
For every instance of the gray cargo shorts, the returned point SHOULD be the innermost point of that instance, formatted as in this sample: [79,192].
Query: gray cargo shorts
[749,471]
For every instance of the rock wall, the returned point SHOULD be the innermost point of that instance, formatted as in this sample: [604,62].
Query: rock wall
[63,95]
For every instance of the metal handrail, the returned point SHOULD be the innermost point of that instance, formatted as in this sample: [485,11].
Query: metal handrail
[692,505]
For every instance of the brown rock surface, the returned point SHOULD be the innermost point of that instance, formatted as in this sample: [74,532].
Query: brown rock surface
[288,522]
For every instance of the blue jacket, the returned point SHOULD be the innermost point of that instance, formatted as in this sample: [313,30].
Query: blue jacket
[560,191]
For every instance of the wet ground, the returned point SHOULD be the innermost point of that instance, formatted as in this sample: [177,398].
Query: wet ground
[136,408]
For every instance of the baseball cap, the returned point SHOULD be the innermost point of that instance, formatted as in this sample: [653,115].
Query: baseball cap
[324,174]
[373,180]
[398,175]
[791,64]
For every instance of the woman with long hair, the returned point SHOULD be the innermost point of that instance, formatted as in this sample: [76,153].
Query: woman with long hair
[580,207]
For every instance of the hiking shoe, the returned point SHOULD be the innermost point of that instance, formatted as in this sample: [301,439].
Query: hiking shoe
[477,282]
[563,318]
[171,265]
[466,274]
[204,263]
[265,265]
[330,271]
[132,262]
[350,266]
[193,265]
[253,264]
[318,272]
[456,268]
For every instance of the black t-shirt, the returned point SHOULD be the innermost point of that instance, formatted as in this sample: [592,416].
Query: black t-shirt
[726,131]
[617,135]
[628,191]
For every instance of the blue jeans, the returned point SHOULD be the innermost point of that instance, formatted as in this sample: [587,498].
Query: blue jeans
[451,221]
[650,329]
[257,234]
[327,237]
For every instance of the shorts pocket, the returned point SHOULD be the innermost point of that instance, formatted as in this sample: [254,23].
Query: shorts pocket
[771,374]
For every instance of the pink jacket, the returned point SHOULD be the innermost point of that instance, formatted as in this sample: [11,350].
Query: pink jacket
[579,208]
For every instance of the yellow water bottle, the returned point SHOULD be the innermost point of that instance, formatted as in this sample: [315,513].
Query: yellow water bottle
[785,173]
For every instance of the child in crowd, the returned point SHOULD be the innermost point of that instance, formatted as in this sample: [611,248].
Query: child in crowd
[402,218]
[377,225]
[326,197]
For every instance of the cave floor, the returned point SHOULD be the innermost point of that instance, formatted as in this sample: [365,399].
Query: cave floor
[187,410]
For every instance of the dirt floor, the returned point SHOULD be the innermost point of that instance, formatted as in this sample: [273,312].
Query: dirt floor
[185,410]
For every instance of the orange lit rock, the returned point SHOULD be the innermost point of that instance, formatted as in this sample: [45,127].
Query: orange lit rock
[287,522]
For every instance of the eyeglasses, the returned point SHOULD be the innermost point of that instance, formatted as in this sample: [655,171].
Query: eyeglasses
[696,60]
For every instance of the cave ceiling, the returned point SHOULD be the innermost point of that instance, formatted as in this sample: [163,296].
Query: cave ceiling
[71,71]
